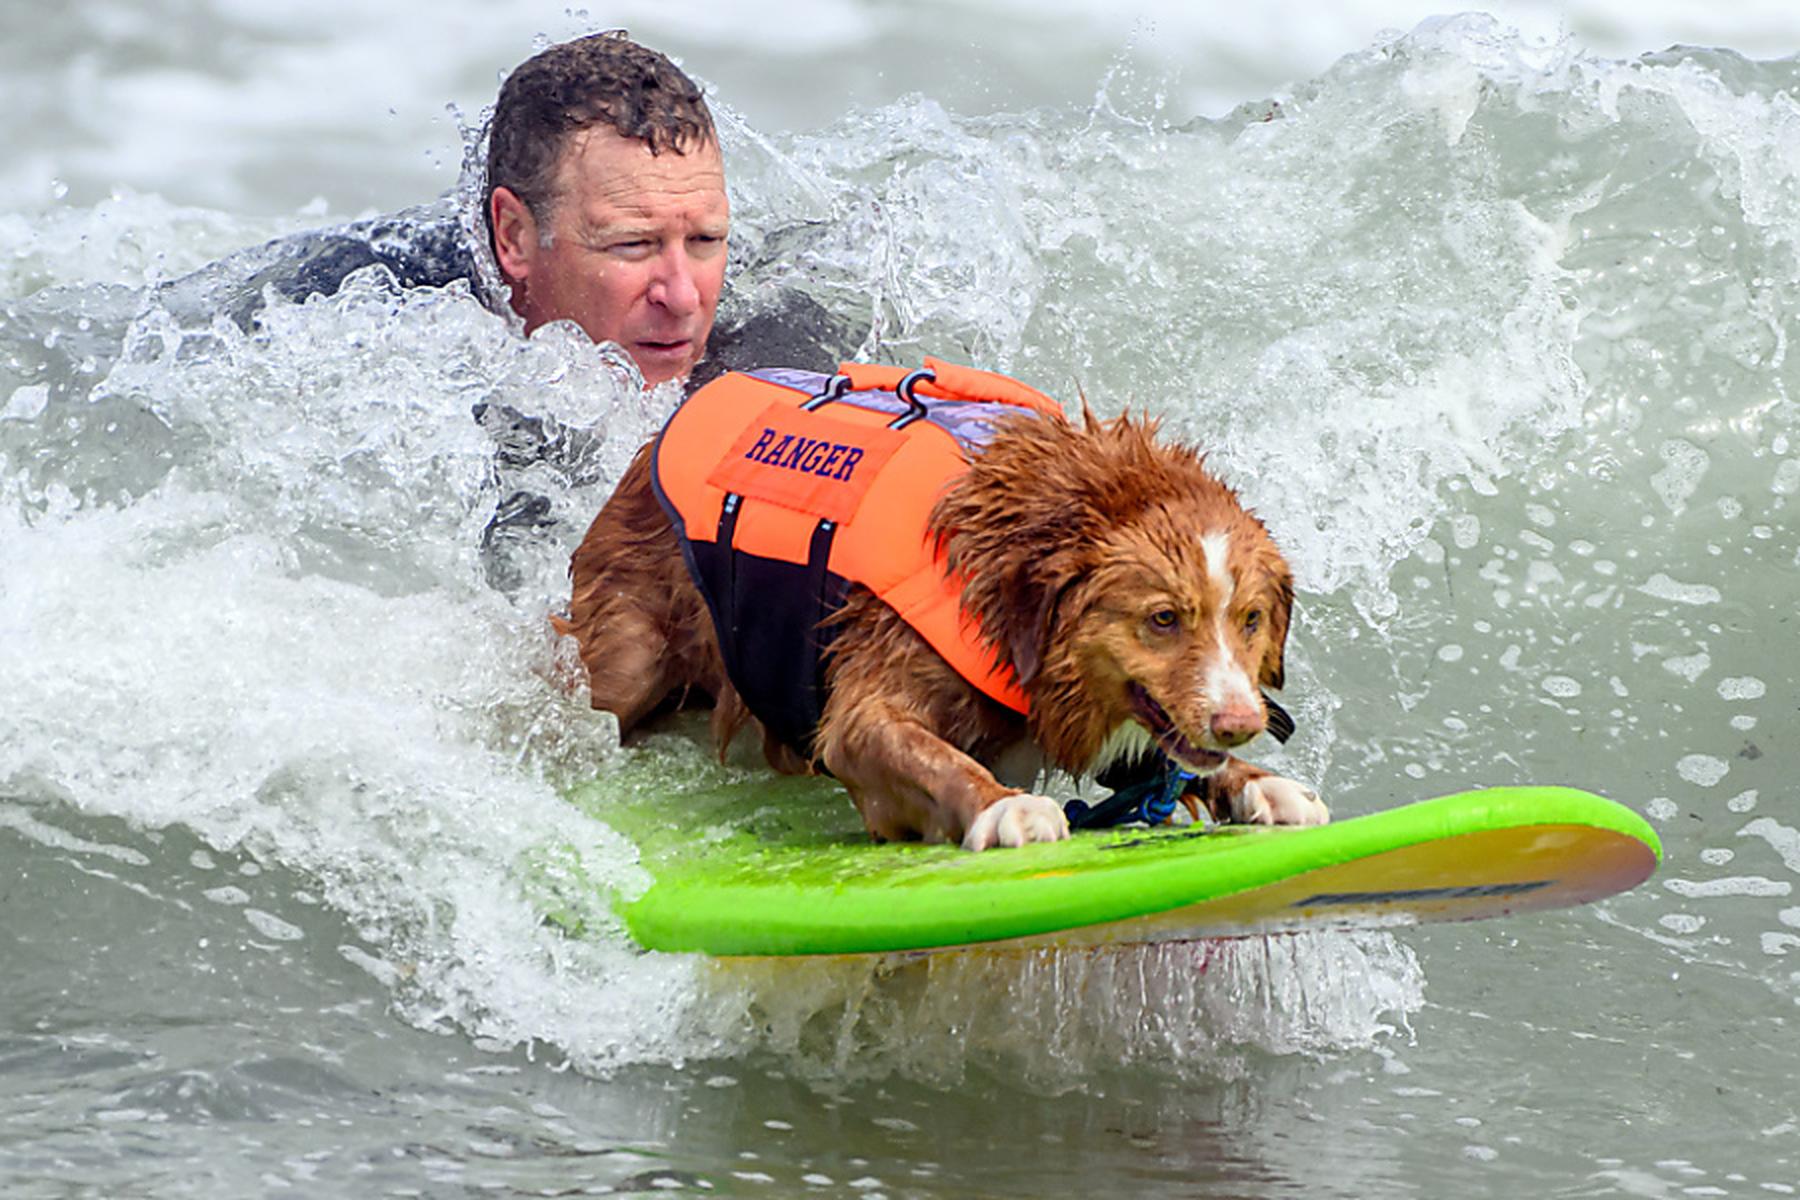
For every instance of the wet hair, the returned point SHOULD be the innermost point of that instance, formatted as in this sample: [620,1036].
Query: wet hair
[602,79]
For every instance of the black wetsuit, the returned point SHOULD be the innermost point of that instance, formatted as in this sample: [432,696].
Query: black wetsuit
[422,246]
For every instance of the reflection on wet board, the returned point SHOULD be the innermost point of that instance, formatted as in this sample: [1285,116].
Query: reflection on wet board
[761,878]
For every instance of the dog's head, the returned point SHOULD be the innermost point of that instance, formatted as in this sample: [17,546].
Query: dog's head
[1139,602]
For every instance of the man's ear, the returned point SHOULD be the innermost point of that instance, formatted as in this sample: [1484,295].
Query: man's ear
[515,234]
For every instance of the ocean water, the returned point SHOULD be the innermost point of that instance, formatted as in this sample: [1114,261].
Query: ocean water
[1489,316]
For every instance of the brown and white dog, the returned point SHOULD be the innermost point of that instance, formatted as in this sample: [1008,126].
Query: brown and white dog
[1139,604]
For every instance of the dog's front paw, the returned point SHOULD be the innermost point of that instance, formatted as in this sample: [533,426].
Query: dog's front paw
[1016,820]
[1274,800]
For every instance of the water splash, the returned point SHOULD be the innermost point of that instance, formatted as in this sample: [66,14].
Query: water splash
[1057,1019]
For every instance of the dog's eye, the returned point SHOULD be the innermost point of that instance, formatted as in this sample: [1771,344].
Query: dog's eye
[1252,621]
[1165,619]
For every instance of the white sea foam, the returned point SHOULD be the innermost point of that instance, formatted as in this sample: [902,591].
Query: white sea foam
[1689,666]
[1702,770]
[1783,839]
[1664,588]
[1739,885]
[1742,687]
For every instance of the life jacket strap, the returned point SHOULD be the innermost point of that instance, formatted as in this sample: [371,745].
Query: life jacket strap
[728,519]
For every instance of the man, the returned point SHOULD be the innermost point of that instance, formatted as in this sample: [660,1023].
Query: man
[606,200]
[604,205]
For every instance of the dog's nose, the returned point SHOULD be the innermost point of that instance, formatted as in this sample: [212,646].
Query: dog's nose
[1237,724]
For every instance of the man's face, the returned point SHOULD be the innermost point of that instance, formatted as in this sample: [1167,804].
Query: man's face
[635,252]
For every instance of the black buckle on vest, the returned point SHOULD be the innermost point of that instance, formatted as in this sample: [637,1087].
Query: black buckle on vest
[905,389]
[835,387]
[838,385]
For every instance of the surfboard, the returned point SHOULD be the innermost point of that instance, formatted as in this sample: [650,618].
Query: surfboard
[761,870]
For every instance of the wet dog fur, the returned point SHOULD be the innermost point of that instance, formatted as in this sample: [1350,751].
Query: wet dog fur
[1140,605]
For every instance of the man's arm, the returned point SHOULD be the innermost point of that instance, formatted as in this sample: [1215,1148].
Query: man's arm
[423,246]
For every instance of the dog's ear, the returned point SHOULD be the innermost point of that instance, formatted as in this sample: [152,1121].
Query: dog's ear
[1030,626]
[1273,669]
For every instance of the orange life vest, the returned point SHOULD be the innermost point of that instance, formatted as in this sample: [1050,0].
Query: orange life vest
[786,487]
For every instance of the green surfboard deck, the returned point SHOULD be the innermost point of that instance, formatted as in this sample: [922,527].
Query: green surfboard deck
[777,869]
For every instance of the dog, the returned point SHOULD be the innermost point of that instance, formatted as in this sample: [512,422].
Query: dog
[1139,606]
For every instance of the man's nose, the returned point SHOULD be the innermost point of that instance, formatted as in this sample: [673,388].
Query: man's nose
[674,287]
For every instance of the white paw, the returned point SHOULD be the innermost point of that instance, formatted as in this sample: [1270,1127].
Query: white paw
[1017,820]
[1273,800]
